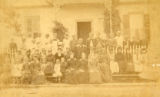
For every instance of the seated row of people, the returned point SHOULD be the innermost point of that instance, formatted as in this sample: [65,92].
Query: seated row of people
[35,66]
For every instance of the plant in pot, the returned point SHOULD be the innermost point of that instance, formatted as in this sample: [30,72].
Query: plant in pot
[60,31]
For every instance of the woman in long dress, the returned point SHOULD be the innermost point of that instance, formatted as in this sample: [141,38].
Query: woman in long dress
[82,71]
[71,69]
[113,65]
[94,73]
[57,71]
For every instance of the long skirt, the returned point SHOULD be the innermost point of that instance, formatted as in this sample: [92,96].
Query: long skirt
[114,67]
[94,75]
[105,72]
[71,77]
[122,66]
[82,77]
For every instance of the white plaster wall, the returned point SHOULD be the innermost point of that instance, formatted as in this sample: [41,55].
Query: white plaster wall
[68,16]
[131,9]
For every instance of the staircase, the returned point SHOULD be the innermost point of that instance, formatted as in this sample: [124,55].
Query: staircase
[128,77]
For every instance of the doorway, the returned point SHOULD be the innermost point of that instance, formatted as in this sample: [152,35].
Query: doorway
[83,30]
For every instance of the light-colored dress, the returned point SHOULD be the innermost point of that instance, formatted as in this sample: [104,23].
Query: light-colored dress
[57,71]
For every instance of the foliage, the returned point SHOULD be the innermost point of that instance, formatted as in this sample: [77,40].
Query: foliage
[10,19]
[60,30]
[115,21]
[107,21]
[113,14]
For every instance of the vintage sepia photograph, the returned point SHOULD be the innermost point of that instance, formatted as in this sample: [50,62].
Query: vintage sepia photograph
[79,48]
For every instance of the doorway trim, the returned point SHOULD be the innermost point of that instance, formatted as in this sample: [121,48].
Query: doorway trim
[82,20]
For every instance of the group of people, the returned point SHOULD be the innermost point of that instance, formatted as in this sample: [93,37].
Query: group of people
[92,61]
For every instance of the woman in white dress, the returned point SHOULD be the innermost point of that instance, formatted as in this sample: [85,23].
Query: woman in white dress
[57,70]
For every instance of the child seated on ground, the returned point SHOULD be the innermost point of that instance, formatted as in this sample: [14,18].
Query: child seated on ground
[57,70]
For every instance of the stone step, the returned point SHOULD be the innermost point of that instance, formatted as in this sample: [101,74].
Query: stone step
[128,77]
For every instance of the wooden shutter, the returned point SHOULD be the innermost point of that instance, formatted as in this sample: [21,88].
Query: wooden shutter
[126,27]
[147,27]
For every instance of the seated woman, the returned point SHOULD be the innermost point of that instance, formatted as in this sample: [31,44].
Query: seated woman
[71,68]
[120,59]
[48,69]
[82,72]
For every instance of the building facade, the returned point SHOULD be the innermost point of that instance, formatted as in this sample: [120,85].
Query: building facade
[81,17]
[86,16]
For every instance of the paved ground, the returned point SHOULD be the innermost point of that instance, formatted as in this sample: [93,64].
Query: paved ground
[89,90]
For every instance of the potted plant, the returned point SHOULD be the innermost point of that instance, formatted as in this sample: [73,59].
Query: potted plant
[60,31]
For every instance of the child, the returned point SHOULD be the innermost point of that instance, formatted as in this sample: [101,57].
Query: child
[17,67]
[63,67]
[57,70]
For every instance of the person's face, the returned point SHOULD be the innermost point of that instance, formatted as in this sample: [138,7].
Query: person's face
[111,35]
[49,52]
[80,41]
[67,49]
[128,51]
[119,50]
[19,53]
[118,34]
[44,51]
[72,55]
[111,51]
[83,56]
[74,37]
[28,53]
[59,51]
[57,61]
[62,59]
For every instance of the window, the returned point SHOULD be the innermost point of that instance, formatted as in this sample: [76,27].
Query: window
[33,26]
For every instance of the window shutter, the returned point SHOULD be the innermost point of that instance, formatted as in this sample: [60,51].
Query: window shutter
[126,27]
[147,27]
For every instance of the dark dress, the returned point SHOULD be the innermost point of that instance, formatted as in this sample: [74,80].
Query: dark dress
[27,69]
[129,62]
[120,59]
[48,70]
[63,70]
[82,73]
[79,50]
[73,44]
[71,68]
